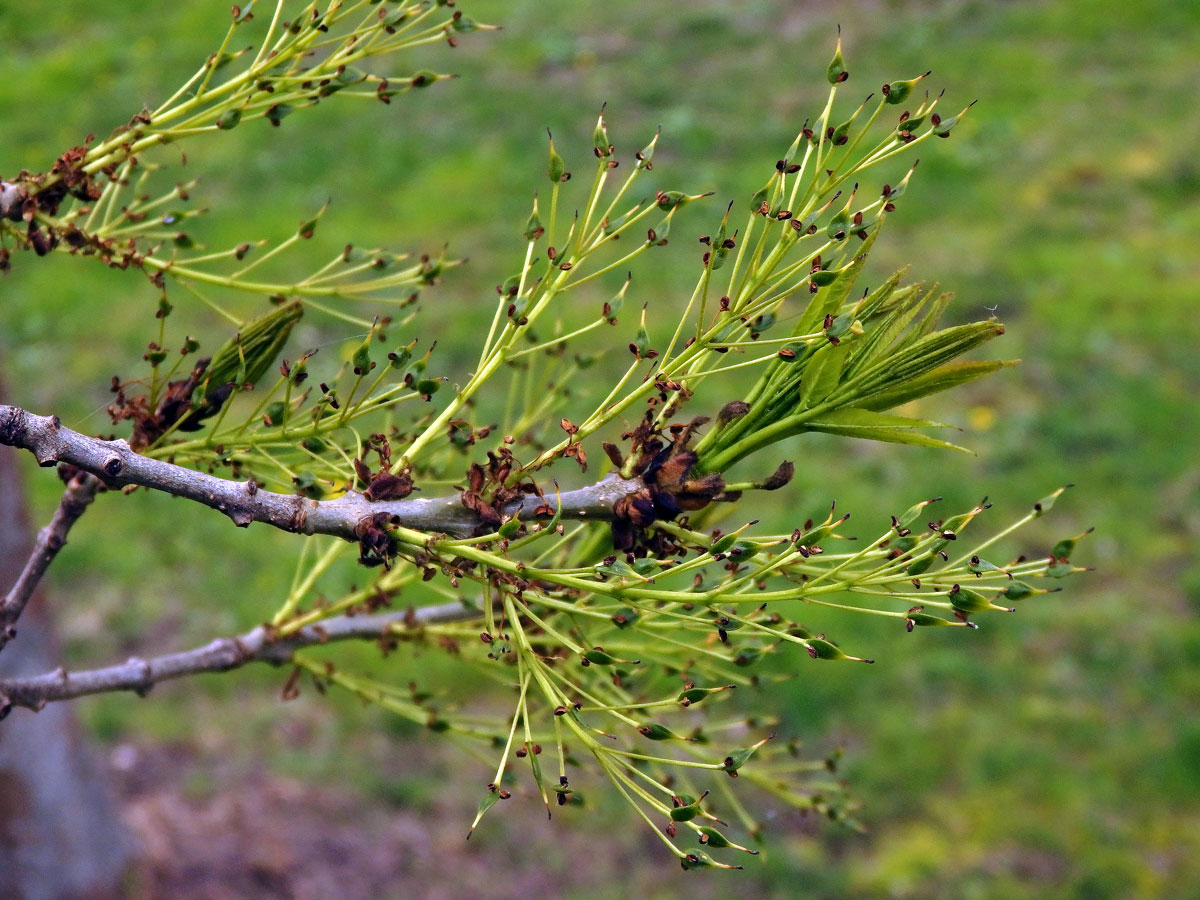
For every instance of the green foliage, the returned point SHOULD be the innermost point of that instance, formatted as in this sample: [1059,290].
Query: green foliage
[1069,277]
[547,596]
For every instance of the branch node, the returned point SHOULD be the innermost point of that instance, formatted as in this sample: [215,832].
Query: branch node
[242,653]
[10,426]
[113,466]
[147,676]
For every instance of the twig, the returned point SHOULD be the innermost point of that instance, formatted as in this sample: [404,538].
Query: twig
[114,463]
[80,492]
[221,655]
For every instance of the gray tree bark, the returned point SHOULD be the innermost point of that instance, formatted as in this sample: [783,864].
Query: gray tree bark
[60,835]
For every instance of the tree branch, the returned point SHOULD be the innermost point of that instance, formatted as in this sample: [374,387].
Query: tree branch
[114,463]
[221,655]
[80,492]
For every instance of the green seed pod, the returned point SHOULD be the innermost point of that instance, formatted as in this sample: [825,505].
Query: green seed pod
[967,601]
[739,758]
[926,620]
[688,809]
[274,413]
[617,567]
[659,233]
[839,326]
[655,732]
[722,544]
[821,649]
[557,169]
[424,79]
[518,307]
[642,342]
[763,322]
[920,566]
[1063,549]
[624,617]
[613,307]
[744,550]
[838,226]
[598,656]
[427,387]
[645,566]
[979,566]
[603,148]
[710,837]
[668,200]
[350,75]
[913,512]
[229,120]
[818,533]
[362,358]
[277,113]
[308,227]
[789,353]
[695,695]
[398,359]
[1019,590]
[840,134]
[941,127]
[899,91]
[1060,570]
[645,156]
[836,71]
[1044,505]
[727,624]
[533,227]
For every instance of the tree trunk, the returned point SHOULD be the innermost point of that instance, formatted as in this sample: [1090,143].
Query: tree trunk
[60,834]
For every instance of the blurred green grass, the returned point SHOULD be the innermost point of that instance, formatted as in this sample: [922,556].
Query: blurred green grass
[1054,753]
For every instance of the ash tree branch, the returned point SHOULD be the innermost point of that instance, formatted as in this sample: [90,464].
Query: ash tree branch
[79,493]
[114,463]
[222,655]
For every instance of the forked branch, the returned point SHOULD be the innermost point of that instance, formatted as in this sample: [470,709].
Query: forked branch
[80,491]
